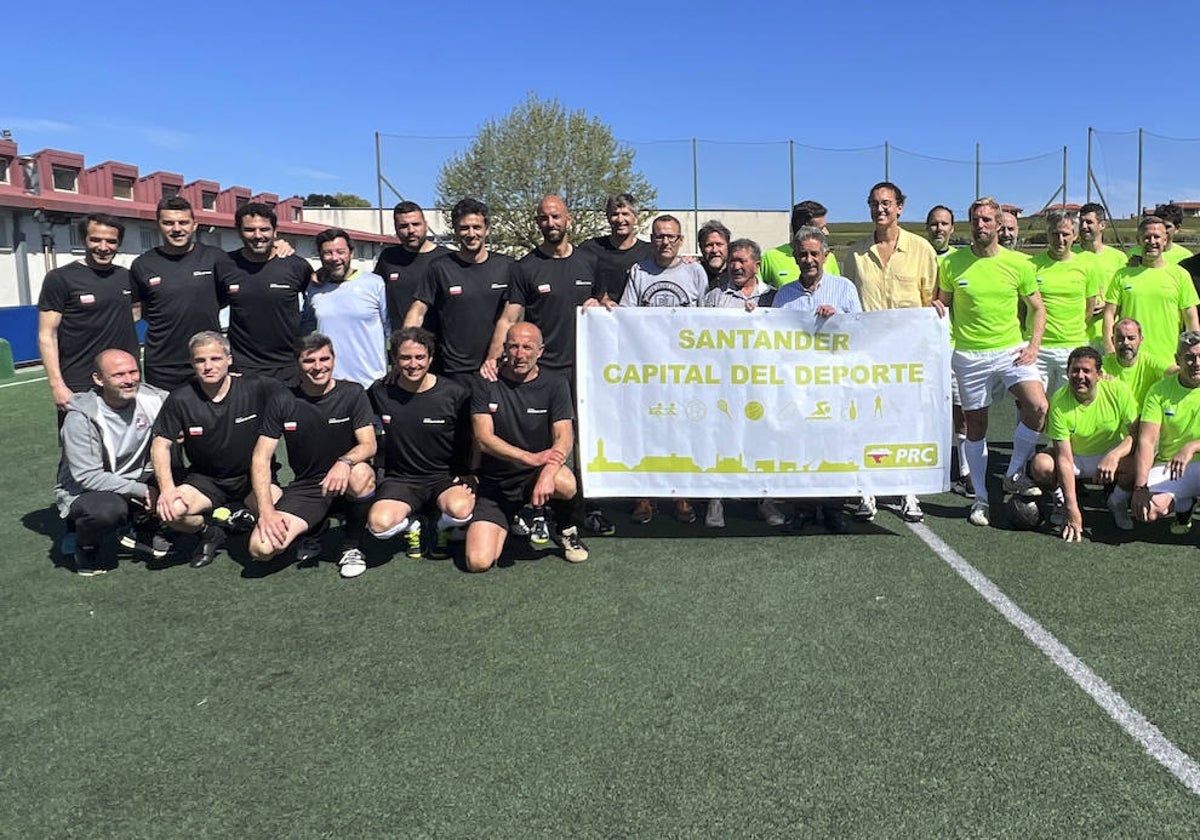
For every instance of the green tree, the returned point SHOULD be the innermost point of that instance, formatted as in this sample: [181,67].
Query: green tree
[335,200]
[539,148]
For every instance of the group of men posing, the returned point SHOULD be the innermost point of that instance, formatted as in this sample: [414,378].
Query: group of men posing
[475,413]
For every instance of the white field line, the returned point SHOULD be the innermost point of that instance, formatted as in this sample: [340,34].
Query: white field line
[1161,749]
[23,382]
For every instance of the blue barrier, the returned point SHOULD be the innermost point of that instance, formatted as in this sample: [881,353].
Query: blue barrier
[18,324]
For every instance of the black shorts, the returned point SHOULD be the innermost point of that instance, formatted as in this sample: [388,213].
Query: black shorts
[306,500]
[415,492]
[220,491]
[498,501]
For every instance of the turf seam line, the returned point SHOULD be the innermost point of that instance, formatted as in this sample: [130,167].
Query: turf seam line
[22,382]
[1181,765]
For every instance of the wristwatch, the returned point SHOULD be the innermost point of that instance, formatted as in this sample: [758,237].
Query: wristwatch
[349,462]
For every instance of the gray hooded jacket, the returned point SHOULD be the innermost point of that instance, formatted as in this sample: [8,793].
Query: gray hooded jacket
[88,461]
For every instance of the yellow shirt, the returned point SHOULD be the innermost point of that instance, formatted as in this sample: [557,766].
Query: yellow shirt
[909,279]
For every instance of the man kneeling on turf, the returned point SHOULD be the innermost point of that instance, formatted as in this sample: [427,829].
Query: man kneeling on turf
[1166,476]
[1091,421]
[330,436]
[426,446]
[216,416]
[523,424]
[105,469]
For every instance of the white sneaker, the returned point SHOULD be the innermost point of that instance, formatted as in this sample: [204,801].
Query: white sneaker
[352,563]
[865,512]
[714,516]
[910,509]
[769,510]
[979,514]
[1120,514]
[1019,484]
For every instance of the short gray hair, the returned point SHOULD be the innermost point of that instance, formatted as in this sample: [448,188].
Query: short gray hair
[209,337]
[746,245]
[810,232]
[1054,218]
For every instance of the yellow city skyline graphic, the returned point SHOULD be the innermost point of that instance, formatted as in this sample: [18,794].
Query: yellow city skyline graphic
[675,463]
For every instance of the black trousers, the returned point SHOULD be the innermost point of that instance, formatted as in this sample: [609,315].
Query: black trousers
[97,513]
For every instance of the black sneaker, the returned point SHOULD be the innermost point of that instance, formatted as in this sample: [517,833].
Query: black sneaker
[146,539]
[212,540]
[539,531]
[87,561]
[595,522]
[241,521]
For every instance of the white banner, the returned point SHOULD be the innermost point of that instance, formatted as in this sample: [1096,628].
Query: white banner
[734,404]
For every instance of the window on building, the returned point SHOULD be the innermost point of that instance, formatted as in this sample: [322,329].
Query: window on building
[208,200]
[74,238]
[149,237]
[4,164]
[123,188]
[66,179]
[240,201]
[169,191]
[296,214]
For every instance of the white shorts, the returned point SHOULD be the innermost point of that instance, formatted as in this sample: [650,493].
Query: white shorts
[978,372]
[1184,489]
[1052,367]
[1085,466]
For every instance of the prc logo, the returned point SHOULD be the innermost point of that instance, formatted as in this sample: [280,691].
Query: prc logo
[891,456]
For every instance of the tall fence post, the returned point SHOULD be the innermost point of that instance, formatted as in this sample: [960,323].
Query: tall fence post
[1139,188]
[1088,179]
[977,182]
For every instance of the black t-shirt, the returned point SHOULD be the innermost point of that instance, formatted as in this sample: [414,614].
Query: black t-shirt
[467,298]
[181,295]
[424,434]
[613,264]
[97,314]
[551,290]
[264,309]
[523,414]
[218,437]
[402,272]
[317,430]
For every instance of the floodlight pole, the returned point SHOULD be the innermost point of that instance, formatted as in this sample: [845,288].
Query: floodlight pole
[1064,186]
[1139,202]
[695,189]
[1088,179]
[977,193]
[379,179]
[887,161]
[792,172]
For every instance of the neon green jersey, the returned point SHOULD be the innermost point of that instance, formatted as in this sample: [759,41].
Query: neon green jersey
[1176,409]
[1067,286]
[1139,376]
[1097,427]
[986,291]
[1111,260]
[779,267]
[1155,298]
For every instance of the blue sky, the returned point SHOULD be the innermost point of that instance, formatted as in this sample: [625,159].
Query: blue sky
[286,98]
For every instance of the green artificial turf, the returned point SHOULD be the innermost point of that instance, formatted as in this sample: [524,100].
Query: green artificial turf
[680,683]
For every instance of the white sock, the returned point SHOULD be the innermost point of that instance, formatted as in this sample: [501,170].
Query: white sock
[1024,444]
[398,528]
[446,521]
[964,469]
[976,457]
